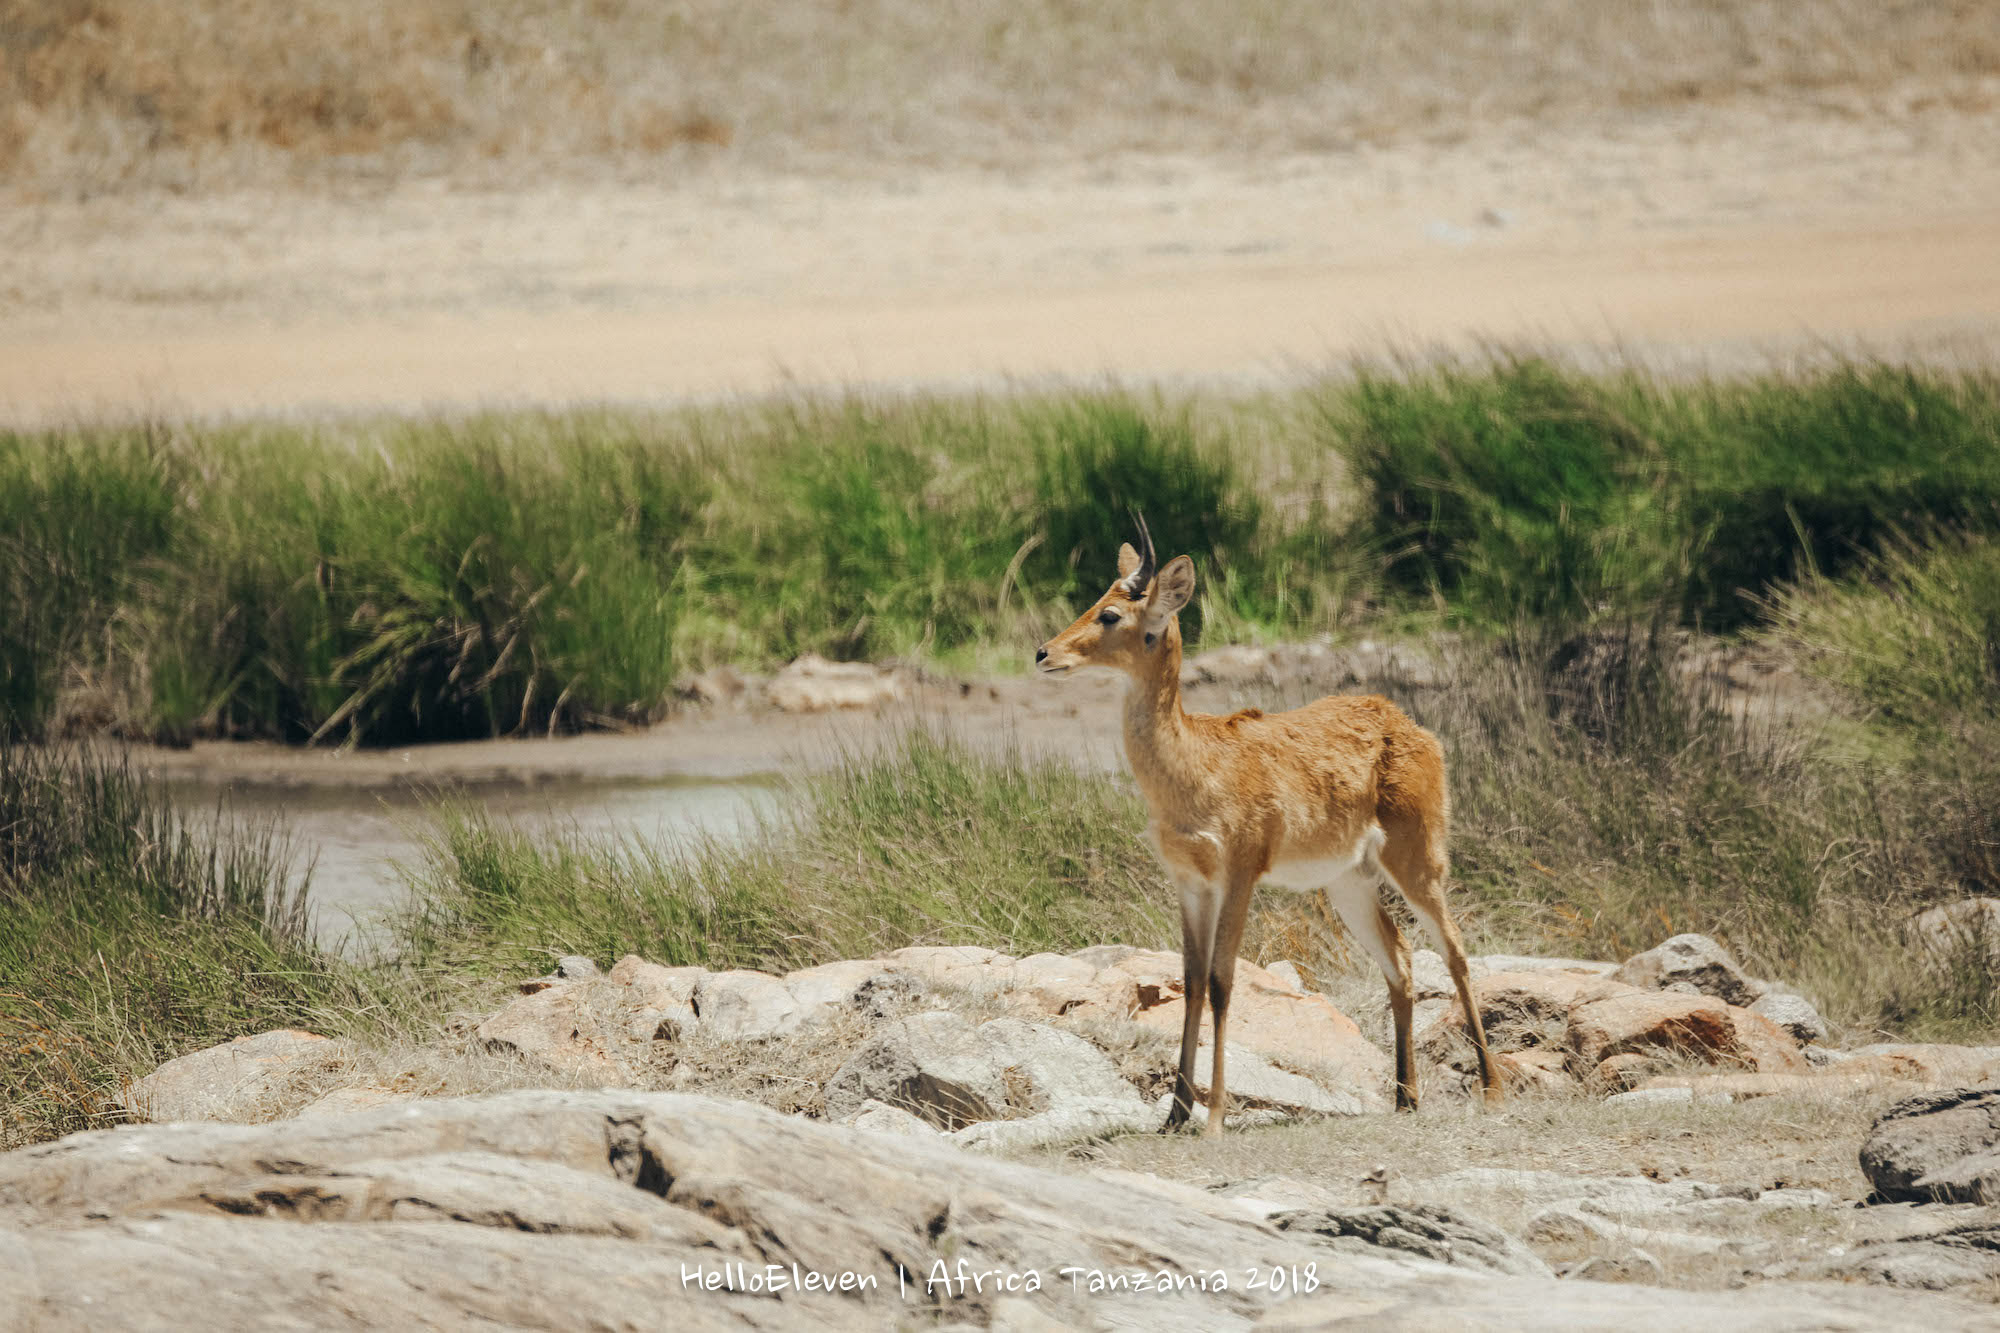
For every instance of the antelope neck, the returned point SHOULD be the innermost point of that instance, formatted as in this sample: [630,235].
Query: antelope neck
[1155,722]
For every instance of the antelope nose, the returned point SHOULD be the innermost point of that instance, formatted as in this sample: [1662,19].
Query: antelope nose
[1041,655]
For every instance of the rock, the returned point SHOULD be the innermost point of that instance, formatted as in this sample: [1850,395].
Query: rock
[938,1066]
[1954,1257]
[1697,960]
[1300,1029]
[811,684]
[1648,1096]
[1635,1265]
[1937,1146]
[1794,1013]
[575,967]
[1607,1195]
[1430,1231]
[1287,974]
[1625,1072]
[1932,1065]
[1073,1121]
[1255,1082]
[1831,1081]
[1543,1071]
[962,967]
[561,1028]
[558,1211]
[658,987]
[1569,1227]
[831,986]
[344,1101]
[1696,1025]
[1514,962]
[743,1005]
[1267,1196]
[882,1118]
[243,1080]
[1054,984]
[1520,1011]
[1961,932]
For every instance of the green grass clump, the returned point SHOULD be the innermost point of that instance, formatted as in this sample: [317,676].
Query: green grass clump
[1916,635]
[77,518]
[926,843]
[129,935]
[1526,489]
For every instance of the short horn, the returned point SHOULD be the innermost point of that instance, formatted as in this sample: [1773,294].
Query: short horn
[1143,575]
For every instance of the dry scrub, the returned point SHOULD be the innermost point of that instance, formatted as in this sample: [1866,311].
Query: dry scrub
[96,94]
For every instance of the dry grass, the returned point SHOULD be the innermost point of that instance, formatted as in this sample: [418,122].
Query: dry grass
[98,93]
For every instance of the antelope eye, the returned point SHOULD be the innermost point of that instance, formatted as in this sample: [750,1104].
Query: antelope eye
[1107,617]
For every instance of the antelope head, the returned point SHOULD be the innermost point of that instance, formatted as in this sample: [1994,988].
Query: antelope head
[1130,622]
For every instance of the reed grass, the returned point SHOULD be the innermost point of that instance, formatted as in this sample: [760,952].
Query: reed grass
[390,581]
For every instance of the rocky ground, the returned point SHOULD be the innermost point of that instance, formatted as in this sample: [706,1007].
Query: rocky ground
[969,1143]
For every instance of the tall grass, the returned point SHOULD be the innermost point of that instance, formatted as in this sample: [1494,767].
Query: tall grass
[130,934]
[385,582]
[925,843]
[1917,636]
[1522,488]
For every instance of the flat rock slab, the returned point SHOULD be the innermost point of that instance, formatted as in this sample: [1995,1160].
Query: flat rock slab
[621,1210]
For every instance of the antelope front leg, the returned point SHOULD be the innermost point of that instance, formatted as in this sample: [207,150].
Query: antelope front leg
[1199,900]
[1234,911]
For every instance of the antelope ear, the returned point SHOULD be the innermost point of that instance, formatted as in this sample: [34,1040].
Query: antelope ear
[1172,587]
[1128,560]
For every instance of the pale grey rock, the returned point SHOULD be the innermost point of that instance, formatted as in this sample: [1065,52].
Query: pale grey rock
[575,967]
[564,1029]
[1073,1121]
[1937,1147]
[1582,1225]
[832,985]
[1431,976]
[1696,960]
[939,1066]
[747,1006]
[1651,1097]
[1937,1261]
[1288,973]
[1266,1196]
[238,1081]
[1794,1013]
[1634,1265]
[1612,1194]
[882,1118]
[1429,1231]
[1253,1081]
[1515,962]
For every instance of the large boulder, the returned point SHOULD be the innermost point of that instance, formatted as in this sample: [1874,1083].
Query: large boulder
[939,1066]
[1693,960]
[1794,1013]
[578,1029]
[1636,1023]
[241,1081]
[1937,1147]
[1959,1256]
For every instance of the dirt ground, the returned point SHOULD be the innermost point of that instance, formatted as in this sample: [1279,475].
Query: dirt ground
[1718,235]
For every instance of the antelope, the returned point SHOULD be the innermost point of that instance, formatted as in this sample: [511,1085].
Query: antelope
[1342,795]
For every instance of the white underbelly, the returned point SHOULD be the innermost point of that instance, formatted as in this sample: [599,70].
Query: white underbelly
[1311,874]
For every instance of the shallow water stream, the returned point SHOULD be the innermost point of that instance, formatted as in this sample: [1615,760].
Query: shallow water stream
[356,836]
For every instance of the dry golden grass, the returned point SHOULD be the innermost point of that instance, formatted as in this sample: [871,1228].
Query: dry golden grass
[95,93]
